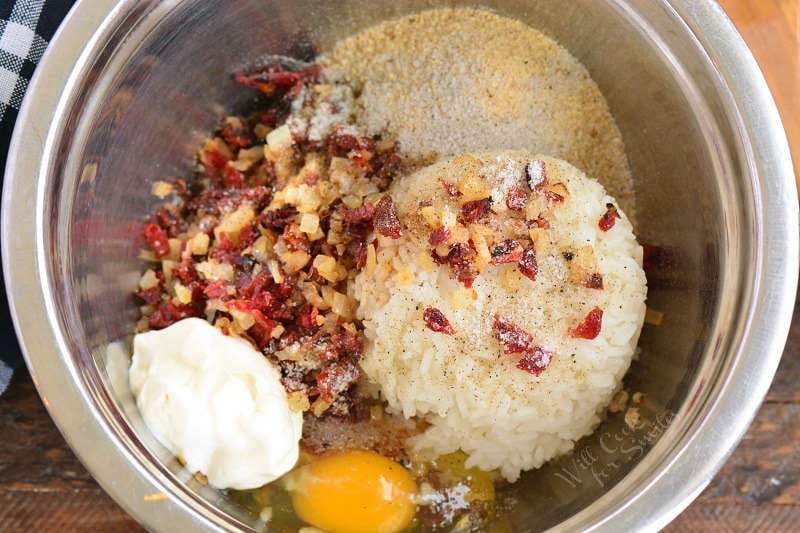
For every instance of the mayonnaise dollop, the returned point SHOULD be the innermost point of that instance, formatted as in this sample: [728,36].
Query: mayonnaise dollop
[216,403]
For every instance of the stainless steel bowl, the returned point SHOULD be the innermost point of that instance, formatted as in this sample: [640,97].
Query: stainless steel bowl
[128,89]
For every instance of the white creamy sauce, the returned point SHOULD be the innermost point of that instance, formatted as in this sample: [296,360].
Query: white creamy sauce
[216,403]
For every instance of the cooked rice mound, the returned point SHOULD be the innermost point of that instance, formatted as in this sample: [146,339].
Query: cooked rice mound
[471,384]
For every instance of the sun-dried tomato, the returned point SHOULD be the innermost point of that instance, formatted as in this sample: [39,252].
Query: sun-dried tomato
[589,328]
[342,342]
[477,209]
[168,313]
[273,80]
[211,201]
[362,213]
[538,222]
[261,330]
[461,259]
[385,218]
[232,178]
[169,217]
[251,286]
[609,218]
[225,251]
[157,239]
[439,235]
[436,321]
[536,174]
[248,235]
[307,317]
[358,251]
[295,239]
[553,196]
[216,289]
[535,361]
[515,340]
[336,378]
[185,272]
[528,264]
[438,259]
[511,337]
[151,296]
[384,167]
[508,251]
[516,199]
[450,188]
[214,159]
[593,281]
[340,138]
[279,218]
[237,134]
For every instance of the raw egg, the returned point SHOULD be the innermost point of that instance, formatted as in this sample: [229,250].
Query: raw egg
[354,491]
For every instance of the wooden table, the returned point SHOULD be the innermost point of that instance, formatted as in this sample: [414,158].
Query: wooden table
[44,487]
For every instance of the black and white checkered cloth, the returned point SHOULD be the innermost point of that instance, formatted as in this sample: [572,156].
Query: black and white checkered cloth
[26,26]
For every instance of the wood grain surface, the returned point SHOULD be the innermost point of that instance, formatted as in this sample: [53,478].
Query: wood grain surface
[44,487]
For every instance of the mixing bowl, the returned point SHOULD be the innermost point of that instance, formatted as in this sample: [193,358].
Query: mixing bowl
[128,90]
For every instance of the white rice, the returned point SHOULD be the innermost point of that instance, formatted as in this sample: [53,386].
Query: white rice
[473,395]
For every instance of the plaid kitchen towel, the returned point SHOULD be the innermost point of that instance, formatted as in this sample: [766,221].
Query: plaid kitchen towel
[26,26]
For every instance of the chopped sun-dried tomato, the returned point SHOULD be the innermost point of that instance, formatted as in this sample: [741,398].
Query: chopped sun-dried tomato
[590,327]
[279,218]
[169,217]
[528,264]
[185,272]
[337,378]
[232,178]
[261,330]
[516,199]
[538,222]
[385,218]
[343,342]
[237,134]
[535,361]
[450,188]
[439,235]
[214,159]
[477,209]
[593,281]
[553,196]
[536,174]
[436,321]
[508,251]
[515,340]
[151,296]
[461,259]
[168,313]
[345,141]
[358,251]
[216,289]
[511,337]
[307,318]
[609,218]
[157,239]
[248,235]
[438,259]
[273,80]
[362,213]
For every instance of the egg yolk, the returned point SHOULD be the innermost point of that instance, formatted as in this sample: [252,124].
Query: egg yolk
[354,491]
